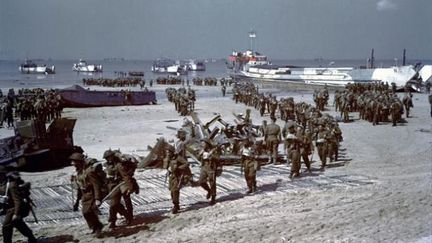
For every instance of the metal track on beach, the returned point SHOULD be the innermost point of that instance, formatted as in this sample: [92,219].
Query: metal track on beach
[54,203]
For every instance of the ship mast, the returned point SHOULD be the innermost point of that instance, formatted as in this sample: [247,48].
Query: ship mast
[252,36]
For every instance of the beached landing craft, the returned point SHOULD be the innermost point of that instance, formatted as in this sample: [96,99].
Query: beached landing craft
[37,148]
[82,66]
[30,67]
[77,96]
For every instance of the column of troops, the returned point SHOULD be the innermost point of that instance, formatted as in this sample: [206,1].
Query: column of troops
[183,99]
[31,104]
[375,103]
[170,80]
[118,82]
[205,81]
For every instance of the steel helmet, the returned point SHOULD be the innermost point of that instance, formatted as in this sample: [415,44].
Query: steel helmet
[108,153]
[77,157]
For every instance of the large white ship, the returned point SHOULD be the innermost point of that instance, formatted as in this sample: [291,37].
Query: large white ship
[254,65]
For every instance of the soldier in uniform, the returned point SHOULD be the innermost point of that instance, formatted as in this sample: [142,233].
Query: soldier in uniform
[14,205]
[294,146]
[113,180]
[124,170]
[321,143]
[223,90]
[407,101]
[250,165]
[90,189]
[273,133]
[209,165]
[305,140]
[179,174]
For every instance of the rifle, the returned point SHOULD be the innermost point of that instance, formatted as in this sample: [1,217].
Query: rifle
[31,205]
[112,191]
[72,190]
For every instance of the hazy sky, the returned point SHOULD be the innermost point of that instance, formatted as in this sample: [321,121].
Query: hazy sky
[148,29]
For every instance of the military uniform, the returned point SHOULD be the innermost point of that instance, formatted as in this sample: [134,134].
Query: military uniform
[208,171]
[294,146]
[321,144]
[179,174]
[272,139]
[15,208]
[113,179]
[124,172]
[90,188]
[250,166]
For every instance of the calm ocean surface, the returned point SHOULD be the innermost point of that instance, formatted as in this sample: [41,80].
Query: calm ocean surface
[10,77]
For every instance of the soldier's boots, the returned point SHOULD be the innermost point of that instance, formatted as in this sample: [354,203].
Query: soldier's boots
[175,209]
[213,200]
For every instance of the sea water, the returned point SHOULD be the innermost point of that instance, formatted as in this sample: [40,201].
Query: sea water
[11,77]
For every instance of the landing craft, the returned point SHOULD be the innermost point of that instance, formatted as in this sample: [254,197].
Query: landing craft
[36,148]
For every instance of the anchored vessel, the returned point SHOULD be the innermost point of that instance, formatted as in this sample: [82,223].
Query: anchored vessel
[77,96]
[30,67]
[195,65]
[253,65]
[169,66]
[82,66]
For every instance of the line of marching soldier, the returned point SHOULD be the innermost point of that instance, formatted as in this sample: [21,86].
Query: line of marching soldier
[183,99]
[97,183]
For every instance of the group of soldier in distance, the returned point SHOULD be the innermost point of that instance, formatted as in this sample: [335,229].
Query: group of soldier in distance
[26,104]
[306,129]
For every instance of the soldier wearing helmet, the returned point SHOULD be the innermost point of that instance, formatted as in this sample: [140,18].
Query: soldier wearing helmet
[250,165]
[13,205]
[119,172]
[89,191]
[209,165]
[179,174]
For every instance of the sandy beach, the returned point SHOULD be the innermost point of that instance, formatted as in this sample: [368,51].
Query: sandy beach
[380,190]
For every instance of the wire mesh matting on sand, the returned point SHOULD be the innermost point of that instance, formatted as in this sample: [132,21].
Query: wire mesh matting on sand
[54,203]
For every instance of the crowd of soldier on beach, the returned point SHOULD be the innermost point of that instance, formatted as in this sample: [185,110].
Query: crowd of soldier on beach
[375,103]
[183,99]
[118,82]
[27,104]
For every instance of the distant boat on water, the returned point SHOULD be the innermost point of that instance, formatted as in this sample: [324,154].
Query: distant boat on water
[169,66]
[30,67]
[82,66]
[195,65]
[77,96]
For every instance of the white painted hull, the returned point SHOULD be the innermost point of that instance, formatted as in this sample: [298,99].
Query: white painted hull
[88,68]
[330,76]
[37,69]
